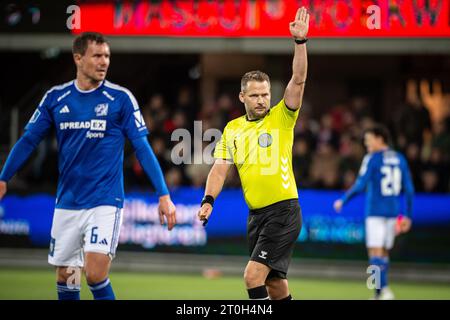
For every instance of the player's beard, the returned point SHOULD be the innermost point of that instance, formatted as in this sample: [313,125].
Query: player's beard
[96,80]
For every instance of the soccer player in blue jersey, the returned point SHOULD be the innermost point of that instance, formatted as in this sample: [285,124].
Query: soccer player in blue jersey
[384,175]
[92,117]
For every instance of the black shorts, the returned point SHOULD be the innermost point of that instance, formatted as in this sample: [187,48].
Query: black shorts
[272,232]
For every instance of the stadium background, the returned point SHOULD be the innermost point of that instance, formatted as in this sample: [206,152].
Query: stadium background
[184,67]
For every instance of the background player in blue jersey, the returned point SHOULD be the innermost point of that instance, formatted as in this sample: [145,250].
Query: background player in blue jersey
[384,174]
[92,118]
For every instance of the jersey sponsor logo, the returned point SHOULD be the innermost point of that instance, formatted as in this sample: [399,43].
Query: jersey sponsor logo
[101,110]
[94,125]
[139,119]
[35,116]
[72,125]
[265,140]
[104,241]
[64,109]
[98,125]
[95,135]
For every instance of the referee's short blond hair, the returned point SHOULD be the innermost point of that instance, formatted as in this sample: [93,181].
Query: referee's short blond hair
[254,76]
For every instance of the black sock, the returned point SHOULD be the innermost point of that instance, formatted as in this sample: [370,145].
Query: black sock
[289,297]
[258,293]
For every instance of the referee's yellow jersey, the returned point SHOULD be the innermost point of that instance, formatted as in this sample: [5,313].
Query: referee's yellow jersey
[262,152]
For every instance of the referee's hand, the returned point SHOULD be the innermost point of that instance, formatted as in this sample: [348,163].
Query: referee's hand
[204,212]
[167,208]
[2,189]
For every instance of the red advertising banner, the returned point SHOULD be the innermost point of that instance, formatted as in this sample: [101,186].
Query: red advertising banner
[267,18]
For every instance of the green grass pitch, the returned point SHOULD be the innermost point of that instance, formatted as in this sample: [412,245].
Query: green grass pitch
[40,284]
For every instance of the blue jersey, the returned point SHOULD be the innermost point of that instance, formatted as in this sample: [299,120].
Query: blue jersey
[384,175]
[91,127]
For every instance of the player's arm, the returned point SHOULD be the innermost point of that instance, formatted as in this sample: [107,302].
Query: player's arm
[293,94]
[19,154]
[214,185]
[408,189]
[359,185]
[150,164]
[36,129]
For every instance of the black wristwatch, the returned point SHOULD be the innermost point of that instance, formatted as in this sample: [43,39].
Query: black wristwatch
[207,199]
[302,41]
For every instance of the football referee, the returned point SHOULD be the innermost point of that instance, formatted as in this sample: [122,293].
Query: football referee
[260,145]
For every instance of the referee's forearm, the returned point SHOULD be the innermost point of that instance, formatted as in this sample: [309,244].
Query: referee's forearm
[300,64]
[214,183]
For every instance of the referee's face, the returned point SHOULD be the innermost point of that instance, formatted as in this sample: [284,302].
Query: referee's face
[95,62]
[256,98]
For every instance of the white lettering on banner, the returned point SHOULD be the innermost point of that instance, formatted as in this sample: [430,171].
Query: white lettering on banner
[136,210]
[148,236]
[141,226]
[14,227]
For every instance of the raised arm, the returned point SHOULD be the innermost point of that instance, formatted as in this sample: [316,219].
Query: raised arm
[214,185]
[293,95]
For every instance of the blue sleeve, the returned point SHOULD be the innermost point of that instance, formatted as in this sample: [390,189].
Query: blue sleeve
[41,121]
[408,188]
[36,129]
[19,155]
[133,124]
[362,180]
[150,164]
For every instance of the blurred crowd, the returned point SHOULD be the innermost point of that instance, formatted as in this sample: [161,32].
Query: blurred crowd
[327,151]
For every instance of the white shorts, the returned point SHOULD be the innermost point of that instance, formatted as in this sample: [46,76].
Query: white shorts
[380,232]
[75,232]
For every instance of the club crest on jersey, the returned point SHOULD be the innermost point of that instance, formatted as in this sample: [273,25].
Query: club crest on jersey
[265,140]
[101,110]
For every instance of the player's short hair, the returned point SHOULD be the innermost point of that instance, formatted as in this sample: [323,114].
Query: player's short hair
[380,130]
[81,42]
[253,76]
